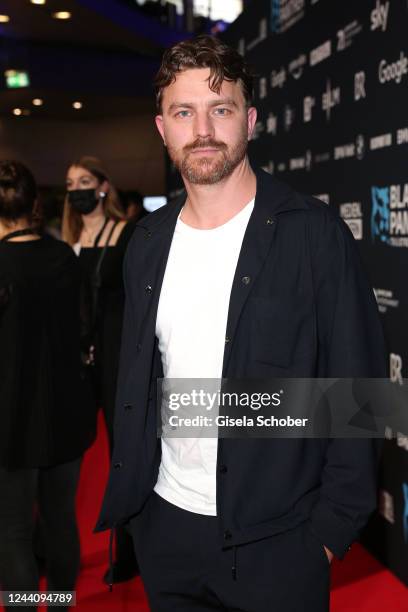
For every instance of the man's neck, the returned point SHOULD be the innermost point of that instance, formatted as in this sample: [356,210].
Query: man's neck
[209,206]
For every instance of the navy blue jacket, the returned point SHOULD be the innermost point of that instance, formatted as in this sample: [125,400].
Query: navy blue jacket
[308,311]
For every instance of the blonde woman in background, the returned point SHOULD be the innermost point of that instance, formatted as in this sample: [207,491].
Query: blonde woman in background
[94,225]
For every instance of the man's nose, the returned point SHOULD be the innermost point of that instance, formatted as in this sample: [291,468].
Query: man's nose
[203,127]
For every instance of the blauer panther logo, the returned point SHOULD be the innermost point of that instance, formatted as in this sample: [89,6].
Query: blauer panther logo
[405,512]
[380,214]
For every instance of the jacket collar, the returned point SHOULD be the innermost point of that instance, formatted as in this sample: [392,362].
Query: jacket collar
[272,198]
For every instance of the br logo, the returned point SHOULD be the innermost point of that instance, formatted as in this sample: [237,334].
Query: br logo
[380,214]
[405,511]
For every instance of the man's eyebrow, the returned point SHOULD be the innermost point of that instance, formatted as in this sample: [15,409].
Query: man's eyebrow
[229,101]
[176,105]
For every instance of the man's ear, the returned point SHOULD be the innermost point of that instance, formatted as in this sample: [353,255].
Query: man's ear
[159,124]
[252,115]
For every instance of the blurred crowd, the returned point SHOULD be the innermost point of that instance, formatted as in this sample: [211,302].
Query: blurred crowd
[61,308]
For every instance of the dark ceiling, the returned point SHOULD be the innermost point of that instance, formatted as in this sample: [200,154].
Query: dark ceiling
[104,56]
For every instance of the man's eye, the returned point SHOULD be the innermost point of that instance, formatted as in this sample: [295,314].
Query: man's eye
[222,111]
[183,113]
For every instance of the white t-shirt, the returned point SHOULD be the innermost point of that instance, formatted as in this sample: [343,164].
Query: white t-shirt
[191,325]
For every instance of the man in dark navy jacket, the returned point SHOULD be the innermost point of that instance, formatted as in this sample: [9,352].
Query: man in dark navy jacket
[241,278]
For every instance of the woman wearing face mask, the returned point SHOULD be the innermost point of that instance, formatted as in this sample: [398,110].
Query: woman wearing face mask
[94,225]
[45,421]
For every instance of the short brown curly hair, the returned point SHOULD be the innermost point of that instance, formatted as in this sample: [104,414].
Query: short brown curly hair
[224,62]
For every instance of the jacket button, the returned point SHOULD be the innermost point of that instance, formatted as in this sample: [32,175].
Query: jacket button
[223,469]
[117,465]
[148,234]
[138,347]
[270,221]
[246,280]
[148,289]
[227,535]
[227,339]
[128,406]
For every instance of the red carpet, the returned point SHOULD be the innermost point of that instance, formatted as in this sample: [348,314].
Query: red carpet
[359,583]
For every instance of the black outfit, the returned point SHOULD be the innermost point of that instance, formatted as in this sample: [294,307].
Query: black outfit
[46,424]
[105,327]
[52,491]
[184,568]
[43,398]
[307,311]
[108,317]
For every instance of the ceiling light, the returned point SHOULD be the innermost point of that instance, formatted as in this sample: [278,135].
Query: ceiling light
[17,112]
[38,102]
[77,105]
[37,1]
[62,15]
[4,18]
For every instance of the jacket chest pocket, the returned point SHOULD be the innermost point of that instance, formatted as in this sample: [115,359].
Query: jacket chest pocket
[279,329]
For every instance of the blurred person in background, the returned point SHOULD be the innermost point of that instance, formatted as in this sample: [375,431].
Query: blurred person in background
[133,201]
[45,422]
[49,199]
[94,225]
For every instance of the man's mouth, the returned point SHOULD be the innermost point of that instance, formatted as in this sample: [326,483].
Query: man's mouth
[205,150]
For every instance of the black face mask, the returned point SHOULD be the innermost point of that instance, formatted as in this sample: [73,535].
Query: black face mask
[83,201]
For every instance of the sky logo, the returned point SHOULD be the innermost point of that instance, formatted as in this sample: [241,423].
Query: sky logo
[380,214]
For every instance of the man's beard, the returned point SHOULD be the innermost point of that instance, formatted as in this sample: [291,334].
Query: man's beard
[208,170]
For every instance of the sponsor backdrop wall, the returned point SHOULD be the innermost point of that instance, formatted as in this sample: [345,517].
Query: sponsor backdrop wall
[332,98]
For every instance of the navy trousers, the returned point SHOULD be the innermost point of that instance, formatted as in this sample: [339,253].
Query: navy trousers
[184,569]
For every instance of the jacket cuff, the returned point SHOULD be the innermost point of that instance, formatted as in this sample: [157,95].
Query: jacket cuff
[330,530]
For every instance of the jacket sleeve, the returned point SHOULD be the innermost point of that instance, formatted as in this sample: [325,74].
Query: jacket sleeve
[351,345]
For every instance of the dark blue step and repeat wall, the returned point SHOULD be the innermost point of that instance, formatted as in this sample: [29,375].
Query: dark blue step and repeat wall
[332,100]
